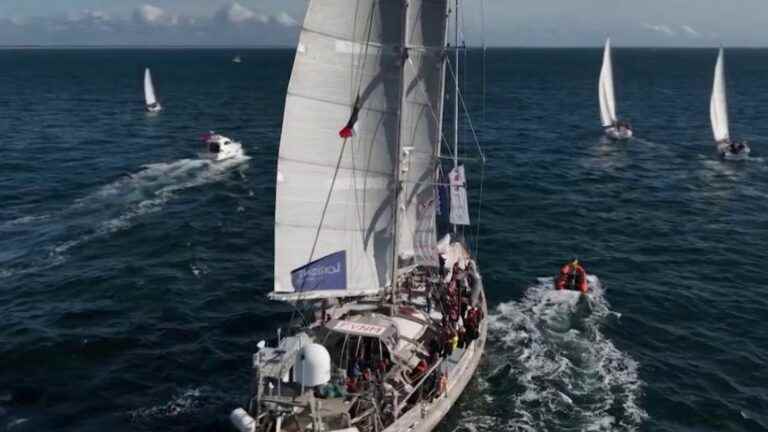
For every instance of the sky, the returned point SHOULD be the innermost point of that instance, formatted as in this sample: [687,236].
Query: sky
[535,23]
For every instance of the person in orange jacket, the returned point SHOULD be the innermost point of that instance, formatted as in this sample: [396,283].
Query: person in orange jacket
[572,277]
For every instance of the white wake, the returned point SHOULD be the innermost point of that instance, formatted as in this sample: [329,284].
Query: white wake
[559,370]
[115,207]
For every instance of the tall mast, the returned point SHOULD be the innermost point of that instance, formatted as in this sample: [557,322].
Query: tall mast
[456,86]
[456,89]
[399,183]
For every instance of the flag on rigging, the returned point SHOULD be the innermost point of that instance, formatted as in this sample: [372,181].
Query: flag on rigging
[348,130]
[459,204]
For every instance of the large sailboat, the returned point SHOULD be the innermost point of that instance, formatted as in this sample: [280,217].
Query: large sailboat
[613,127]
[393,327]
[150,100]
[718,114]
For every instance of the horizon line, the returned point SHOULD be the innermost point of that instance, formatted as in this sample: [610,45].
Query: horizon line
[293,47]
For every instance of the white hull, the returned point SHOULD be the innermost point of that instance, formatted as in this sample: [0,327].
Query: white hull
[219,148]
[727,154]
[426,417]
[156,108]
[416,326]
[615,133]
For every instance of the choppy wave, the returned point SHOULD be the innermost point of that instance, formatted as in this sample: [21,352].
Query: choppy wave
[183,403]
[565,373]
[112,208]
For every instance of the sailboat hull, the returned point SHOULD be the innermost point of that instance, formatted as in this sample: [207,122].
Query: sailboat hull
[618,134]
[727,154]
[231,151]
[156,108]
[426,416]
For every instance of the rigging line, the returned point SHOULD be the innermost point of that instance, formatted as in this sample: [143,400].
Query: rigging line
[432,111]
[484,62]
[357,101]
[343,145]
[479,211]
[328,199]
[483,124]
[469,120]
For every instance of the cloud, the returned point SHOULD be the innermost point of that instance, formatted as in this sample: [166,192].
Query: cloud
[89,15]
[149,24]
[236,13]
[690,31]
[151,15]
[660,28]
[285,20]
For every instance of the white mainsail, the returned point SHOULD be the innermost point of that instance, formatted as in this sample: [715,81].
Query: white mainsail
[149,89]
[718,106]
[606,91]
[350,59]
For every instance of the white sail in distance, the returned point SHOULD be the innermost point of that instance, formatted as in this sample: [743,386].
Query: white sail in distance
[606,90]
[149,89]
[718,106]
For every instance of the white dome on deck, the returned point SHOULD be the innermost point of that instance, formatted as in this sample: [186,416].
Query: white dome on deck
[313,367]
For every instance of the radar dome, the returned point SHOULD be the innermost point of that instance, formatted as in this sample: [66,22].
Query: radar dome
[313,367]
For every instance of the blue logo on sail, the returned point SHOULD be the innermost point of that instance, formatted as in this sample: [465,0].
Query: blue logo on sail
[327,273]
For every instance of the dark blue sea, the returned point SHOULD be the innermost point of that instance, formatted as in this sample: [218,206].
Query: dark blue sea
[133,274]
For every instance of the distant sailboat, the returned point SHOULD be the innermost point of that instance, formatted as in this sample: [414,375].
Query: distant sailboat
[614,129]
[150,100]
[237,59]
[718,113]
[356,231]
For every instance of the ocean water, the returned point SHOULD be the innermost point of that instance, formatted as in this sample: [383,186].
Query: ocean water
[133,274]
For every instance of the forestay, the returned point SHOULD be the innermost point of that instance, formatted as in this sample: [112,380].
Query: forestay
[421,128]
[149,89]
[346,48]
[718,106]
[606,90]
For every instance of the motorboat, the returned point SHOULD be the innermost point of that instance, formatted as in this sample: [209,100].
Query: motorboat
[217,147]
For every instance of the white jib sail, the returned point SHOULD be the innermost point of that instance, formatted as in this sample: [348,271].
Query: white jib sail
[459,203]
[718,106]
[606,92]
[149,89]
[342,247]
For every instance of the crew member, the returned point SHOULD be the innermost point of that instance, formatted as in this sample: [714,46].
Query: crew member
[572,277]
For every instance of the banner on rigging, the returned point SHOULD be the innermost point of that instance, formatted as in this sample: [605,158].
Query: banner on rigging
[459,204]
